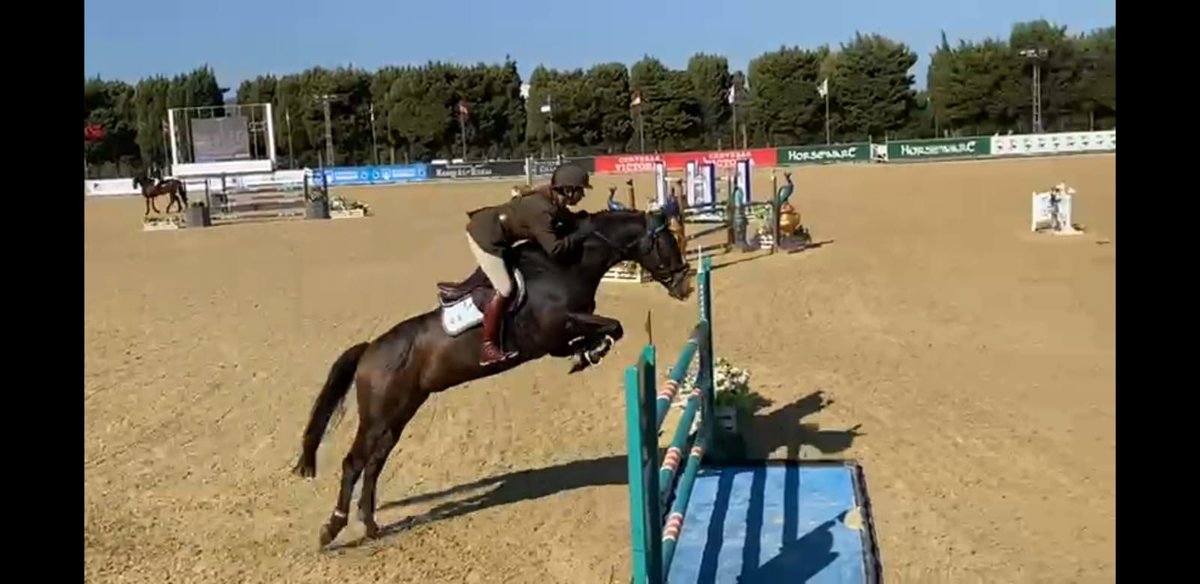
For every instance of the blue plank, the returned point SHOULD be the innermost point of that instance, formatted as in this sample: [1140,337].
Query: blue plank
[775,523]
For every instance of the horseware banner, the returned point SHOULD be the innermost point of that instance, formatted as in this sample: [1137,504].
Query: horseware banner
[723,159]
[824,154]
[940,148]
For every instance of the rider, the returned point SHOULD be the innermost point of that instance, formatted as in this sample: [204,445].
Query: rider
[530,215]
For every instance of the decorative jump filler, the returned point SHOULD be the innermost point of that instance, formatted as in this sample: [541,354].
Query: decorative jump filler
[1052,211]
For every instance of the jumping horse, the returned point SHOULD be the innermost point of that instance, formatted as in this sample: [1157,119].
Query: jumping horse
[434,351]
[150,190]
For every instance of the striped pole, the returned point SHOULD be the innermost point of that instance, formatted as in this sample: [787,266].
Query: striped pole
[655,536]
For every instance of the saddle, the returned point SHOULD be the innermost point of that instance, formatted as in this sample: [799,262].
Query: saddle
[463,302]
[451,292]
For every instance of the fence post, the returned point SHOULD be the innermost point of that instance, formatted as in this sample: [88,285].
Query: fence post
[645,512]
[706,373]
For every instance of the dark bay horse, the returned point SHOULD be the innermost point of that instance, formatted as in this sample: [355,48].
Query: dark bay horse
[552,315]
[150,190]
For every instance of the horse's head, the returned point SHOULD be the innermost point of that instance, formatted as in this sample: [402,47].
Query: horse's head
[644,238]
[140,181]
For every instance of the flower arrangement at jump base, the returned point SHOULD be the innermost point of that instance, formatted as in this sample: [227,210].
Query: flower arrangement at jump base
[162,223]
[731,386]
[343,208]
[734,405]
[760,218]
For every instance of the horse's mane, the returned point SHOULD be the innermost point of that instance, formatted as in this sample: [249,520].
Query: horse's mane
[607,221]
[609,217]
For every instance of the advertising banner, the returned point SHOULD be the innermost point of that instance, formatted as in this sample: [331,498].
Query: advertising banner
[476,170]
[1056,143]
[824,154]
[544,167]
[371,175]
[971,147]
[677,161]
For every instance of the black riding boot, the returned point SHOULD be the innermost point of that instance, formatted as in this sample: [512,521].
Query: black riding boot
[489,351]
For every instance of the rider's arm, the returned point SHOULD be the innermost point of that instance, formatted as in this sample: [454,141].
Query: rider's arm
[543,231]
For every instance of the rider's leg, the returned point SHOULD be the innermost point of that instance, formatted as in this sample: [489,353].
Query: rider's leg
[493,267]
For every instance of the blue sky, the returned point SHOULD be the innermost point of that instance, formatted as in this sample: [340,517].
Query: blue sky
[130,39]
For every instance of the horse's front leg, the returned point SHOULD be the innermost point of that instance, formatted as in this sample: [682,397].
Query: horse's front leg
[153,205]
[596,337]
[147,199]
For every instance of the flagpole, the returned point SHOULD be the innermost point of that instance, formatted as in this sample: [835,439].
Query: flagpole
[826,117]
[462,127]
[550,118]
[374,142]
[823,91]
[636,105]
[733,104]
[287,117]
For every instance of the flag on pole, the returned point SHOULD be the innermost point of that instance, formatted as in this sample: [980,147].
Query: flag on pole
[637,99]
[545,108]
[372,114]
[93,133]
[464,109]
[823,88]
[732,94]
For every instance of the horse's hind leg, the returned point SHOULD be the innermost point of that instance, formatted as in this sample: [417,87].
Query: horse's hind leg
[383,447]
[352,467]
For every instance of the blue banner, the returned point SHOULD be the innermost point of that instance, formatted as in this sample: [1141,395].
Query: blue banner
[373,175]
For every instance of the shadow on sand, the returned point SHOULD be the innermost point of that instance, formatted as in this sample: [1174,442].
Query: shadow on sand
[779,428]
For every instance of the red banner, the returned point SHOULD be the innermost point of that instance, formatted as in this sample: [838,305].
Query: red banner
[634,163]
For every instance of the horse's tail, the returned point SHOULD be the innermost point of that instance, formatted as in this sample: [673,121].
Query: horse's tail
[337,385]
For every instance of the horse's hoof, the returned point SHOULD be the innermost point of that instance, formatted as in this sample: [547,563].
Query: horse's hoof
[327,536]
[372,530]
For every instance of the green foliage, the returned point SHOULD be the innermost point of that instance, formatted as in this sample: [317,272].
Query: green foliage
[669,105]
[976,88]
[986,87]
[785,107]
[874,94]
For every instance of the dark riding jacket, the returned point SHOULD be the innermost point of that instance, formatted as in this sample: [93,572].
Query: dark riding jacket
[532,215]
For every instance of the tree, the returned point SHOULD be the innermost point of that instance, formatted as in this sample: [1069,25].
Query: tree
[785,106]
[976,87]
[872,87]
[711,80]
[671,112]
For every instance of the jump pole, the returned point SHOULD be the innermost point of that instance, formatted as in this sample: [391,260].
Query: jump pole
[654,536]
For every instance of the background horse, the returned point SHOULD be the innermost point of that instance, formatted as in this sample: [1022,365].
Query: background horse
[552,314]
[150,190]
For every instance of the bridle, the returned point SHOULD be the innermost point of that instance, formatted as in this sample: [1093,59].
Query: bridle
[648,241]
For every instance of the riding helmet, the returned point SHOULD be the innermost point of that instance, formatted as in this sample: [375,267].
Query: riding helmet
[570,175]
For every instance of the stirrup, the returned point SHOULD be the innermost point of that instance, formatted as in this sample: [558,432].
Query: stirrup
[503,356]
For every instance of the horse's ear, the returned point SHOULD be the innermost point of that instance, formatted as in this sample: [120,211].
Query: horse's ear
[656,220]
